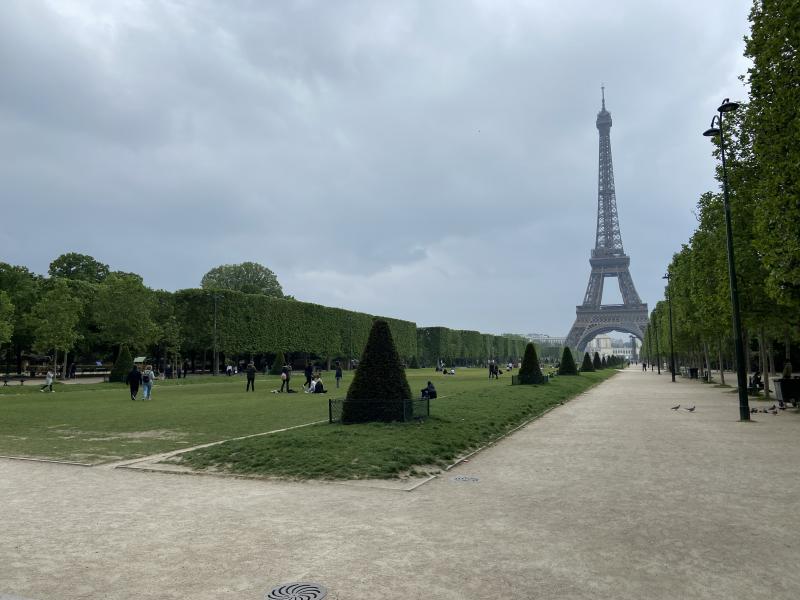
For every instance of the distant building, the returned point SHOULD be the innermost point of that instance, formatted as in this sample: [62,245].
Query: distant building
[606,346]
[543,339]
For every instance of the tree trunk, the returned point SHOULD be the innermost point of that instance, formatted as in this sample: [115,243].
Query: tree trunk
[771,359]
[708,362]
[721,366]
[762,347]
[55,363]
[64,368]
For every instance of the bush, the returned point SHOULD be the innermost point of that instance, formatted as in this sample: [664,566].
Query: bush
[567,366]
[530,371]
[596,362]
[122,366]
[277,364]
[379,386]
[413,363]
[605,363]
[587,365]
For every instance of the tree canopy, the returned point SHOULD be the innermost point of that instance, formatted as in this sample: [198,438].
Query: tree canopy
[78,266]
[247,277]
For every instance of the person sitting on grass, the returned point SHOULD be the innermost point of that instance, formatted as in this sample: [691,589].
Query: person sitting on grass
[318,387]
[309,388]
[429,391]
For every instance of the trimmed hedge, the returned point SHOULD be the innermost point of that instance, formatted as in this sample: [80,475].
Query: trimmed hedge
[587,365]
[460,345]
[567,365]
[380,377]
[530,372]
[596,362]
[122,366]
[252,323]
[277,364]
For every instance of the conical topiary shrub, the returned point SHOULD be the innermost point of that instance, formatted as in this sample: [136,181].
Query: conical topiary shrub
[530,371]
[380,388]
[604,362]
[277,364]
[122,366]
[587,365]
[596,362]
[567,366]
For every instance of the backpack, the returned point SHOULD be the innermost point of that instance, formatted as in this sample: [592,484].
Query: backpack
[146,378]
[283,376]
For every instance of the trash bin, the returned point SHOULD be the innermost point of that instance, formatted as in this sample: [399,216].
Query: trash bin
[693,372]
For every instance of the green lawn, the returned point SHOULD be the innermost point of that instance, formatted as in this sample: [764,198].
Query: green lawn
[99,423]
[470,412]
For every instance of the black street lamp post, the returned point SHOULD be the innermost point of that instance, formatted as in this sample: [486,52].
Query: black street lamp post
[650,345]
[671,349]
[741,374]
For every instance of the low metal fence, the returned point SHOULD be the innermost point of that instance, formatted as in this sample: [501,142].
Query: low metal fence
[359,411]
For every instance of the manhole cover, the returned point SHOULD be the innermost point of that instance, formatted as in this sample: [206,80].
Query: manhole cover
[301,590]
[465,478]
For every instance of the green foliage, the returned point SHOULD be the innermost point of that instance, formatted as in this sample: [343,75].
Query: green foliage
[530,372]
[596,362]
[380,377]
[452,345]
[247,277]
[123,309]
[6,318]
[55,318]
[122,365]
[774,77]
[567,365]
[413,363]
[78,266]
[22,288]
[277,364]
[604,362]
[587,366]
[253,323]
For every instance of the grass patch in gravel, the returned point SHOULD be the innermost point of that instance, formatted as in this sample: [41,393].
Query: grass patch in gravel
[470,412]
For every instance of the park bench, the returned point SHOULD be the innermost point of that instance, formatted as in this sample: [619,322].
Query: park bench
[7,379]
[788,390]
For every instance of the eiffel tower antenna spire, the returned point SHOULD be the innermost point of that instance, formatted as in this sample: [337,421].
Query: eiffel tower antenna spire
[608,259]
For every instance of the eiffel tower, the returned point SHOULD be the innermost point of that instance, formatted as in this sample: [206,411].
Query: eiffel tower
[608,260]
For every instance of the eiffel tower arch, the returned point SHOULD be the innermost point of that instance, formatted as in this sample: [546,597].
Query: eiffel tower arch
[608,259]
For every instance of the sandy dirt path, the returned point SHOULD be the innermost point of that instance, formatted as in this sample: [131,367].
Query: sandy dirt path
[612,495]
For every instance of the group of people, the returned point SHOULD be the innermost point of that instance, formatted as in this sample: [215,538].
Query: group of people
[494,370]
[143,379]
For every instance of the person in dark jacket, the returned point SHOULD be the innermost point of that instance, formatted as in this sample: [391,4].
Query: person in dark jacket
[429,391]
[134,381]
[251,377]
[309,373]
[338,374]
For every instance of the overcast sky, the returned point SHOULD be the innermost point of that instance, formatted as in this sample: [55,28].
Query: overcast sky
[434,161]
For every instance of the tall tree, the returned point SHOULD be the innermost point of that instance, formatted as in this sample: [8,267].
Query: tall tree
[247,277]
[78,266]
[22,288]
[55,319]
[6,318]
[123,310]
[774,48]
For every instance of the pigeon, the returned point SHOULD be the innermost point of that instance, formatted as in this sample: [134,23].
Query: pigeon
[753,410]
[676,407]
[773,407]
[774,412]
[690,409]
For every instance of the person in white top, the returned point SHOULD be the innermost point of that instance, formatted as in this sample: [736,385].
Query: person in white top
[148,377]
[48,381]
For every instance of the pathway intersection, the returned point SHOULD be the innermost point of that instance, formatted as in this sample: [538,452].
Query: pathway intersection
[612,495]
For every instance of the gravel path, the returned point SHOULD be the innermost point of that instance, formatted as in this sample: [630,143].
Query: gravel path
[612,496]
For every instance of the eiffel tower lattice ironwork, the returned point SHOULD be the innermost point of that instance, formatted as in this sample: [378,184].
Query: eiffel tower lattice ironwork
[608,260]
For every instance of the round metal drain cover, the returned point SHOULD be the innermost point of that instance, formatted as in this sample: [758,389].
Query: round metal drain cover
[301,590]
[466,478]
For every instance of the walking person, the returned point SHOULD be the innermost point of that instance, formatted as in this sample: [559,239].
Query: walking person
[148,377]
[338,374]
[48,381]
[134,381]
[251,377]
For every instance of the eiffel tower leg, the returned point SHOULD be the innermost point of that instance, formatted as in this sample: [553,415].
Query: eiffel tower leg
[627,289]
[594,290]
